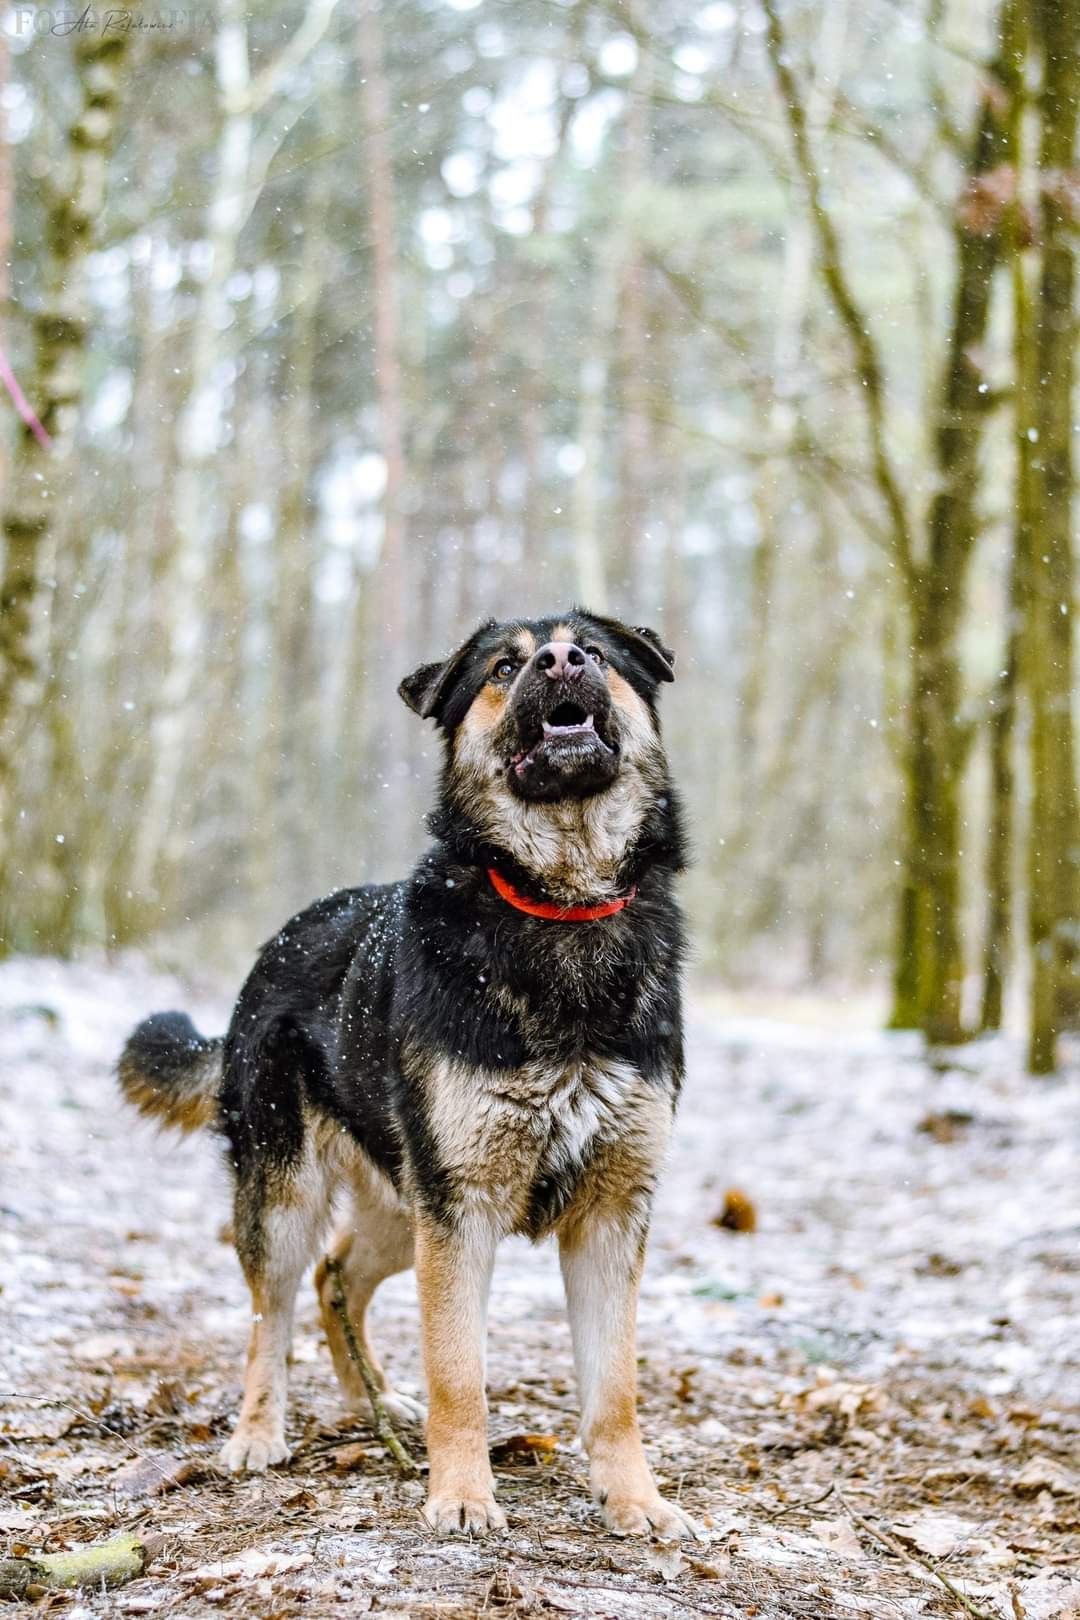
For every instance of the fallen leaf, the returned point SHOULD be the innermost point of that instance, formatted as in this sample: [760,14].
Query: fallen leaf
[716,1569]
[684,1389]
[154,1475]
[1046,1473]
[351,1456]
[937,1534]
[838,1395]
[253,1564]
[667,1562]
[737,1213]
[946,1125]
[838,1536]
[515,1448]
[167,1399]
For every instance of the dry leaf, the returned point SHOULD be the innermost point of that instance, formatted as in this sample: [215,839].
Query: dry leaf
[516,1448]
[253,1564]
[937,1534]
[667,1562]
[684,1390]
[351,1456]
[1047,1474]
[153,1476]
[715,1569]
[737,1214]
[841,1396]
[946,1125]
[838,1536]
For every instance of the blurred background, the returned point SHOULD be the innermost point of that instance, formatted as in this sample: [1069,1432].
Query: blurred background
[330,329]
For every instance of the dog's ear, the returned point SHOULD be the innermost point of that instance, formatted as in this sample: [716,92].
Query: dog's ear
[420,689]
[642,642]
[663,661]
[427,688]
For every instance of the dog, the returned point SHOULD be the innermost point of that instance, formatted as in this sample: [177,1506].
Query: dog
[491,1046]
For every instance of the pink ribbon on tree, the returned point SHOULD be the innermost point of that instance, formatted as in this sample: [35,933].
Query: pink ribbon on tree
[21,403]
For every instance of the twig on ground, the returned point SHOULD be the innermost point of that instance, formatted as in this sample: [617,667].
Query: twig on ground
[895,1546]
[793,1507]
[108,1563]
[383,1427]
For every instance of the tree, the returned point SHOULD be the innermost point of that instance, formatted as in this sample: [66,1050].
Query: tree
[1054,857]
[932,557]
[33,508]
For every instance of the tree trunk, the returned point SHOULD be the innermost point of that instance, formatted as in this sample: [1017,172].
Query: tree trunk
[928,978]
[998,881]
[292,730]
[1054,864]
[635,480]
[1007,691]
[55,388]
[379,653]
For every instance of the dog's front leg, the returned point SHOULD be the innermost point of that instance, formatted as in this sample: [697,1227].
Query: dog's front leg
[601,1260]
[453,1274]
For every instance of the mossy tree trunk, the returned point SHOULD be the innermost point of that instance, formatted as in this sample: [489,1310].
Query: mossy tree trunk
[1008,689]
[1054,856]
[929,963]
[54,385]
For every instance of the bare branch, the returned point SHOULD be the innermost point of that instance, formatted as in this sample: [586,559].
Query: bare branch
[868,367]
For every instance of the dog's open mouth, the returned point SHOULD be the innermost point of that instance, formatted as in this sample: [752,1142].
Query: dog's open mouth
[568,727]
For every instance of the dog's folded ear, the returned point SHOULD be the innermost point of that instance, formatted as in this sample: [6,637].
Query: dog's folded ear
[664,661]
[420,689]
[427,688]
[643,643]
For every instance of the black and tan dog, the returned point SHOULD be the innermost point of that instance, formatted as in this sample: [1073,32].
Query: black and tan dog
[493,1045]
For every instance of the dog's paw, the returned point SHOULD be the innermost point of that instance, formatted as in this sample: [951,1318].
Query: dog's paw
[253,1451]
[458,1515]
[402,1408]
[647,1516]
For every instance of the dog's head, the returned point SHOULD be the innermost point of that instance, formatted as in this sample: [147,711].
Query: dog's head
[553,751]
[552,708]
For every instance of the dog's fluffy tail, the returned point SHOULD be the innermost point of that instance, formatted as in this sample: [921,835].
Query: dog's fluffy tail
[171,1072]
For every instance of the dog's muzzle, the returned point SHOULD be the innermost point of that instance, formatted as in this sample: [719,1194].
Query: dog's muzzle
[564,738]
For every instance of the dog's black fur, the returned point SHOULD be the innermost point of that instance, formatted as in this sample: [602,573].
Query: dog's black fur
[363,991]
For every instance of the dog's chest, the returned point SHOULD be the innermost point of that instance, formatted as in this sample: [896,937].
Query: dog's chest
[504,1134]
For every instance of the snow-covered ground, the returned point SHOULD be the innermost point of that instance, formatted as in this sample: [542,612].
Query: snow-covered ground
[893,1353]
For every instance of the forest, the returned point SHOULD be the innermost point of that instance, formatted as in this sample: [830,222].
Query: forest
[332,328]
[335,333]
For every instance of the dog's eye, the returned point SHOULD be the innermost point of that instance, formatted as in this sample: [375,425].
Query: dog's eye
[595,654]
[504,669]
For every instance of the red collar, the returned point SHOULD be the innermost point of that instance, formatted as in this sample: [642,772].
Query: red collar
[547,908]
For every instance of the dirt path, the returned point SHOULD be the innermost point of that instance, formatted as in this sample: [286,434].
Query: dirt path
[895,1348]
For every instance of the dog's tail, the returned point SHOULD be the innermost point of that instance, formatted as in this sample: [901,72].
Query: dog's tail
[171,1072]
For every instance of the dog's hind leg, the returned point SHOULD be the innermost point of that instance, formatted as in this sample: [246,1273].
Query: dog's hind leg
[376,1244]
[277,1237]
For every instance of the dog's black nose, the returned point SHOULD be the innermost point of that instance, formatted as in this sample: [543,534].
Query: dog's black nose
[561,660]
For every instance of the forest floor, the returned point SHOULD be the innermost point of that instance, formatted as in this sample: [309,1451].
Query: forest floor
[874,1394]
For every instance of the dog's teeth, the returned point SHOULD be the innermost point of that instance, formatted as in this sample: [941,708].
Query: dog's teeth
[588,722]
